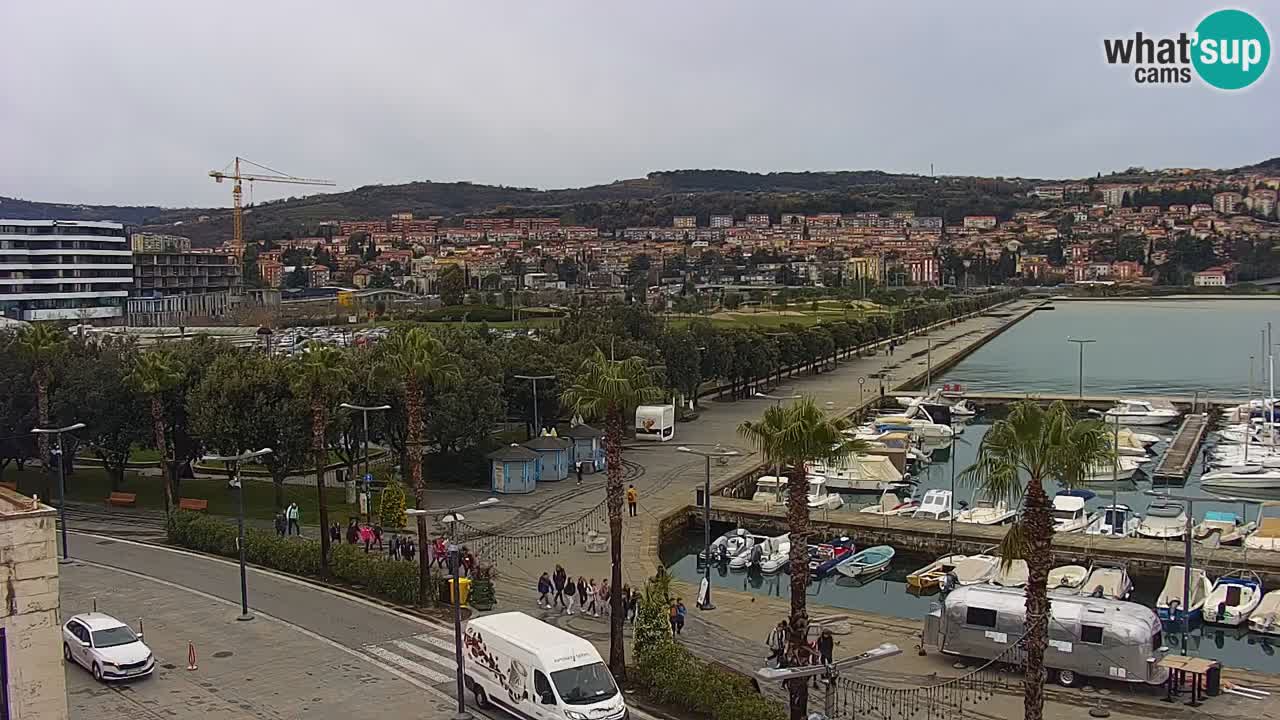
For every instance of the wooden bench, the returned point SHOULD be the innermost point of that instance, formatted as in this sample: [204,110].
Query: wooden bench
[193,504]
[121,499]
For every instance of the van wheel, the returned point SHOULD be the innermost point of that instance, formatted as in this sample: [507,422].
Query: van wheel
[1067,678]
[482,700]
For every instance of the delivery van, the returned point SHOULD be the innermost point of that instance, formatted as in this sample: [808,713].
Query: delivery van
[537,671]
[656,422]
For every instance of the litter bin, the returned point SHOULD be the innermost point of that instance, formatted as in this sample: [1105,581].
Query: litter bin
[465,585]
[700,498]
[1213,680]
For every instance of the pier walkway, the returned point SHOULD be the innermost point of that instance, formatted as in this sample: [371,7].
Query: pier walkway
[1183,451]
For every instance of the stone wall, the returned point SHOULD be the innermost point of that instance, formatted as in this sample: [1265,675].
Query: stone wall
[29,610]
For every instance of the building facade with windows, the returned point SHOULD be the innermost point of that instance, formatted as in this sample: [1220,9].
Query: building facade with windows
[64,270]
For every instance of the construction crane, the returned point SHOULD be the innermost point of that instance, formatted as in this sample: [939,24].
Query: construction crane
[237,215]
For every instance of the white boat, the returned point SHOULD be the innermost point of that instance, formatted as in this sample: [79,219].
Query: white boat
[1128,443]
[728,546]
[1107,581]
[1227,527]
[1267,535]
[930,576]
[976,569]
[1170,605]
[964,409]
[986,511]
[1266,617]
[1122,468]
[921,427]
[1069,514]
[1248,477]
[1233,598]
[750,555]
[1114,520]
[935,505]
[866,562]
[860,473]
[1164,520]
[891,504]
[819,498]
[1013,576]
[772,490]
[1142,412]
[1067,577]
[775,554]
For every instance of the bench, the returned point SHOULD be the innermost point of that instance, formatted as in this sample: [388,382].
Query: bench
[193,504]
[120,499]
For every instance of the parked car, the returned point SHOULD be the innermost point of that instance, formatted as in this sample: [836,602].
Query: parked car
[106,647]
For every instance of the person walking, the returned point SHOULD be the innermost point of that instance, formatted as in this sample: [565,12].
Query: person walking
[593,594]
[353,532]
[335,533]
[582,594]
[632,605]
[681,612]
[544,590]
[377,536]
[393,547]
[407,549]
[579,467]
[292,515]
[671,616]
[826,650]
[558,579]
[632,497]
[442,551]
[280,524]
[604,597]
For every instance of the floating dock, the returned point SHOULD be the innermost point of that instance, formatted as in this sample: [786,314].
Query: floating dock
[1181,455]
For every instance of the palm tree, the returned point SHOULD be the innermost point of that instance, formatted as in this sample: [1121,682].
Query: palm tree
[789,437]
[156,373]
[321,375]
[418,361]
[41,344]
[610,389]
[1035,444]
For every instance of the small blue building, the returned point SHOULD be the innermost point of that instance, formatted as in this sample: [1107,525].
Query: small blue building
[514,469]
[556,457]
[587,446]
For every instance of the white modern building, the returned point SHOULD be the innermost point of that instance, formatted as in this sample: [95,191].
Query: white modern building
[64,269]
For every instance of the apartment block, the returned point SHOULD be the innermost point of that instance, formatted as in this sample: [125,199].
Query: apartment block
[721,221]
[183,273]
[155,242]
[684,221]
[757,220]
[63,269]
[1227,202]
[979,222]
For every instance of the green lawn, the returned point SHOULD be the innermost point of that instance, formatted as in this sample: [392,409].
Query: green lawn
[92,486]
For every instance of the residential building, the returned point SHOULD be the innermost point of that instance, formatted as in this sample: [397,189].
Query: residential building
[182,273]
[721,221]
[63,269]
[792,220]
[869,267]
[271,272]
[1126,270]
[155,242]
[32,675]
[361,278]
[317,276]
[757,220]
[1212,277]
[1114,195]
[1263,201]
[684,221]
[1226,202]
[922,270]
[979,222]
[1201,209]
[1047,192]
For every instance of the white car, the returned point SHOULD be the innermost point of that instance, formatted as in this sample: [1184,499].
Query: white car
[106,647]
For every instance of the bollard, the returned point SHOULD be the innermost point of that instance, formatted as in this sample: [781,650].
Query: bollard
[191,656]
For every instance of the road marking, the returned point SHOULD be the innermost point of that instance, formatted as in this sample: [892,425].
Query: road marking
[407,664]
[438,642]
[446,662]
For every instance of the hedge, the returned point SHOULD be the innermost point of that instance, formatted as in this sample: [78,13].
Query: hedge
[394,580]
[670,675]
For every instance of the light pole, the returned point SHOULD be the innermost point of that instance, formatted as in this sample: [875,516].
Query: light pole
[535,378]
[1081,342]
[62,483]
[233,469]
[705,602]
[364,411]
[452,516]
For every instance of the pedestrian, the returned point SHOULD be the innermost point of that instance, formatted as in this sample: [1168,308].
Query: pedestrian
[468,561]
[777,642]
[593,593]
[335,533]
[582,594]
[604,597]
[366,536]
[632,605]
[408,549]
[826,646]
[442,551]
[681,612]
[292,515]
[544,589]
[393,547]
[377,536]
[280,524]
[570,594]
[632,496]
[671,616]
[558,579]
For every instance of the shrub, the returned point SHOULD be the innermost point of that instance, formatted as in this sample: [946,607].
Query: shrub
[653,624]
[671,675]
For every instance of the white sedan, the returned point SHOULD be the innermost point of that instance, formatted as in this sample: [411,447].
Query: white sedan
[106,647]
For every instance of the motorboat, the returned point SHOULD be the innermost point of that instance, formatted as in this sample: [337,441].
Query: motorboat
[1128,443]
[1013,575]
[1267,535]
[751,555]
[1248,477]
[1142,412]
[819,498]
[1164,520]
[976,569]
[776,554]
[986,511]
[1170,606]
[1266,617]
[823,558]
[1069,514]
[1123,467]
[728,546]
[964,409]
[1228,527]
[921,427]
[935,505]
[1067,577]
[1109,581]
[1114,520]
[860,473]
[866,562]
[930,576]
[1233,598]
[890,504]
[772,490]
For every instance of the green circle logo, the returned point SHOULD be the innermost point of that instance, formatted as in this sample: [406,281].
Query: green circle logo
[1232,49]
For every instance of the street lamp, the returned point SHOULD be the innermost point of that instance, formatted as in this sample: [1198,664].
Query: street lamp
[1081,342]
[535,378]
[62,483]
[705,602]
[452,516]
[368,507]
[233,469]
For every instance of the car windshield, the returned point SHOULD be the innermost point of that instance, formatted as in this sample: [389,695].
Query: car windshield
[112,637]
[585,685]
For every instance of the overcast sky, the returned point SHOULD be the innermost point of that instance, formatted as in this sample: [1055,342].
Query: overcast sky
[133,102]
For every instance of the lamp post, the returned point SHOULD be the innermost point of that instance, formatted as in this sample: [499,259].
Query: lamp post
[364,411]
[233,468]
[62,482]
[1081,342]
[535,378]
[705,602]
[452,516]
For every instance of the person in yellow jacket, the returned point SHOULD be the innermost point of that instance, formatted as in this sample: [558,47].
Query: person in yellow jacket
[632,496]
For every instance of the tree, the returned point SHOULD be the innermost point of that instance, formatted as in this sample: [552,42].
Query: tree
[790,437]
[611,389]
[683,358]
[419,363]
[319,377]
[92,389]
[453,286]
[1035,444]
[191,360]
[17,405]
[155,373]
[41,345]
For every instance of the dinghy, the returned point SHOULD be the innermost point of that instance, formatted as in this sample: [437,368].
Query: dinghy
[751,555]
[728,546]
[1107,581]
[866,562]
[1170,606]
[976,569]
[986,511]
[1233,598]
[1067,577]
[776,554]
[930,576]
[824,558]
[890,505]
[1013,576]
[1266,617]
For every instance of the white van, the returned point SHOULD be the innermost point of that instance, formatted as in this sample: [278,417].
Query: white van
[656,422]
[537,671]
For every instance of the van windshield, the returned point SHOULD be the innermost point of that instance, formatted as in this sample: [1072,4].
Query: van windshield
[585,685]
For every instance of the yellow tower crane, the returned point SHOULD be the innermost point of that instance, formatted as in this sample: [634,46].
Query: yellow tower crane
[267,175]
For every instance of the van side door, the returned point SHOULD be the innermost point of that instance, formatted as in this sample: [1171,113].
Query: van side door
[545,704]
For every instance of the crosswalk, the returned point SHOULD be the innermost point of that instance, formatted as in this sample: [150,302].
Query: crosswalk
[428,657]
